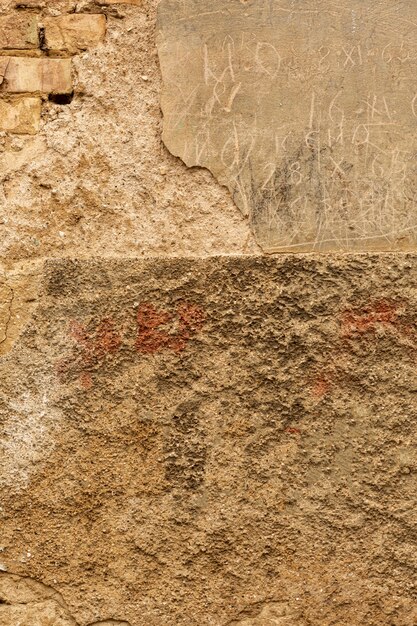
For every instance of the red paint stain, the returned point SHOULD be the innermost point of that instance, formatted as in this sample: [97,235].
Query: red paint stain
[293,431]
[321,386]
[90,350]
[95,346]
[107,340]
[151,337]
[379,314]
[86,380]
[191,317]
[360,322]
[159,330]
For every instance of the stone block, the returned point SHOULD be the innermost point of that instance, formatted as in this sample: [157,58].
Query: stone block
[306,111]
[18,293]
[18,32]
[27,602]
[30,4]
[52,7]
[107,2]
[74,32]
[38,614]
[11,160]
[40,75]
[20,116]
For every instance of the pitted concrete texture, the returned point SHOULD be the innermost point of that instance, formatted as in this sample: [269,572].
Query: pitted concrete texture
[212,442]
[27,602]
[305,109]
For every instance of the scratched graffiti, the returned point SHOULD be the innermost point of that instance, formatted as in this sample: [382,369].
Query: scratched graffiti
[306,111]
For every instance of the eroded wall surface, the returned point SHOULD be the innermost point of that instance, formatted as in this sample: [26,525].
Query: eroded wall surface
[197,439]
[192,432]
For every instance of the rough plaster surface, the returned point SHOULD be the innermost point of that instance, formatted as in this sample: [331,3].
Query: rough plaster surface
[26,602]
[222,441]
[305,110]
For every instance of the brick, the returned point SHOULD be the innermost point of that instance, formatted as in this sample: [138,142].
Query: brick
[19,32]
[21,116]
[4,62]
[27,75]
[29,4]
[53,7]
[106,2]
[40,613]
[72,33]
[30,52]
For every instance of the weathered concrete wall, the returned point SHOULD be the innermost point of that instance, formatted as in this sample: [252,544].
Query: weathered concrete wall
[204,440]
[196,439]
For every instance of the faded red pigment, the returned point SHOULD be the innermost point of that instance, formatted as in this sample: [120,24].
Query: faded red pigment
[86,380]
[321,387]
[366,321]
[379,314]
[159,330]
[293,431]
[91,349]
[105,340]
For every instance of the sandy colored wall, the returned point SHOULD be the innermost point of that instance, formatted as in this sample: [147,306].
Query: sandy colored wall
[92,177]
[96,178]
[192,431]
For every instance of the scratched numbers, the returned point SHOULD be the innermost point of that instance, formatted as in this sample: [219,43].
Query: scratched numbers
[307,111]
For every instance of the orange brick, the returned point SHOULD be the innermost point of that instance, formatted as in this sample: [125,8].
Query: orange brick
[18,32]
[35,75]
[74,32]
[136,2]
